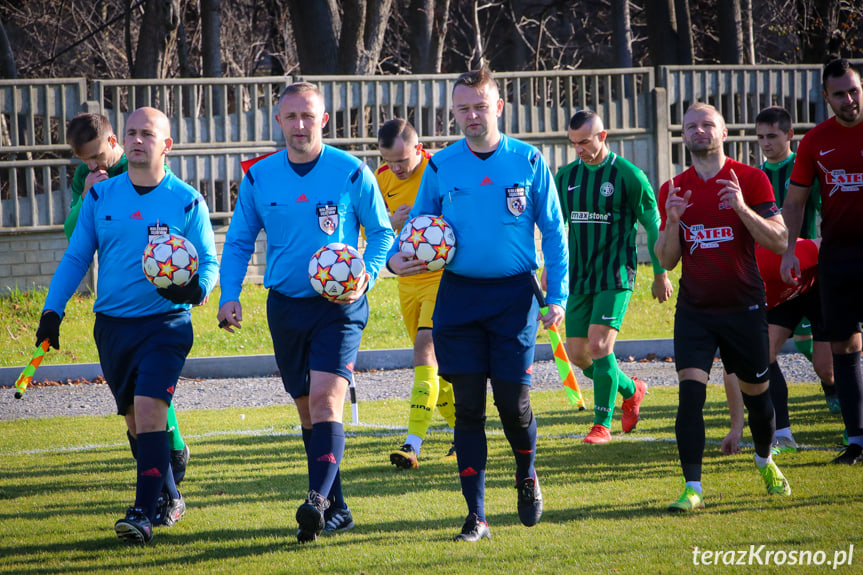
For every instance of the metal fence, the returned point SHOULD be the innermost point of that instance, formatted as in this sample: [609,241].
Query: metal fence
[216,123]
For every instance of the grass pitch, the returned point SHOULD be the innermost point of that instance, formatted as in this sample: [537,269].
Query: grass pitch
[65,481]
[645,319]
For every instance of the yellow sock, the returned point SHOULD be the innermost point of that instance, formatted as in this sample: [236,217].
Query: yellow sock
[423,399]
[446,402]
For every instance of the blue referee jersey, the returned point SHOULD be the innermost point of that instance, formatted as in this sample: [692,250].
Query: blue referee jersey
[493,206]
[300,214]
[117,221]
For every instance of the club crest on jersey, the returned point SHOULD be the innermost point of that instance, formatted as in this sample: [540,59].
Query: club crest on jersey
[606,189]
[700,237]
[328,218]
[516,200]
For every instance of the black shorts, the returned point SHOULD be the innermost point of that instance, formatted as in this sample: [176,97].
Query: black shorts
[841,284]
[143,355]
[788,314]
[741,338]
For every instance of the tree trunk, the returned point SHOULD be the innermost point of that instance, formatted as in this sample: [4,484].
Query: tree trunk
[211,38]
[685,55]
[351,39]
[377,18]
[420,19]
[662,26]
[159,24]
[427,20]
[316,28]
[8,69]
[730,33]
[748,34]
[622,34]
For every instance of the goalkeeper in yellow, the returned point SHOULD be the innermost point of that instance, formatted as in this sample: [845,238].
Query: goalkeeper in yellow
[399,179]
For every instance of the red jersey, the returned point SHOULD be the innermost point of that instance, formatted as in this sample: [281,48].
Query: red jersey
[718,253]
[834,154]
[778,291]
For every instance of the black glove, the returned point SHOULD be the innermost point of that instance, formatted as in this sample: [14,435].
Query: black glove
[49,328]
[189,293]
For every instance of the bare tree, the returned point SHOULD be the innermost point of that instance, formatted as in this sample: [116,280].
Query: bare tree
[427,20]
[8,69]
[360,42]
[622,33]
[662,32]
[211,38]
[748,33]
[158,28]
[685,55]
[730,32]
[316,32]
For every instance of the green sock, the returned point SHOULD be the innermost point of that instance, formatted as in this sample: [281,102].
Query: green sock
[588,373]
[625,385]
[605,376]
[174,437]
[804,346]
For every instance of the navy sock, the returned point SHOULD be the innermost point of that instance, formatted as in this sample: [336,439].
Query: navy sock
[779,395]
[336,495]
[762,421]
[472,452]
[154,465]
[849,388]
[326,449]
[689,427]
[523,443]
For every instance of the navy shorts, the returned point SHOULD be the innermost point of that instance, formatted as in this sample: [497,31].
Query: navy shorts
[741,338]
[789,313]
[143,355]
[841,284]
[485,326]
[313,333]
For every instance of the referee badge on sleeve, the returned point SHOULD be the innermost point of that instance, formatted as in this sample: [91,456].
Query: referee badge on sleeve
[328,218]
[516,200]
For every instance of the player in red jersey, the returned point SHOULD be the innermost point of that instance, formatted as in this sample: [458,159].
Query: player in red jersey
[712,215]
[786,304]
[832,152]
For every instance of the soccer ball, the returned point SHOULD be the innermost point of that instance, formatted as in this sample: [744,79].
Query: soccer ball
[335,270]
[430,239]
[170,260]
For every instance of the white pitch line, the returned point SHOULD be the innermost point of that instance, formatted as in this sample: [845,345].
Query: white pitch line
[378,430]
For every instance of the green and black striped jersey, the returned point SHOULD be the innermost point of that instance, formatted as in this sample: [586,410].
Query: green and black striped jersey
[602,205]
[780,174]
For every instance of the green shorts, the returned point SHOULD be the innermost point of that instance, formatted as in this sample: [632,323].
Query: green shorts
[603,308]
[804,327]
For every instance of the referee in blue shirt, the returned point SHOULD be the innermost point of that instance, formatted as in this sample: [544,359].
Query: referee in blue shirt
[494,190]
[304,197]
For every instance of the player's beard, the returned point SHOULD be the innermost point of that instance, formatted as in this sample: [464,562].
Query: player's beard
[704,149]
[850,114]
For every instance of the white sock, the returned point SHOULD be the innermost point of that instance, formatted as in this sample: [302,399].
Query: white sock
[696,485]
[415,441]
[762,461]
[784,432]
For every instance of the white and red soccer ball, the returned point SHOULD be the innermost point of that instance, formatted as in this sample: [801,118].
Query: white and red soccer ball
[335,270]
[170,259]
[430,239]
